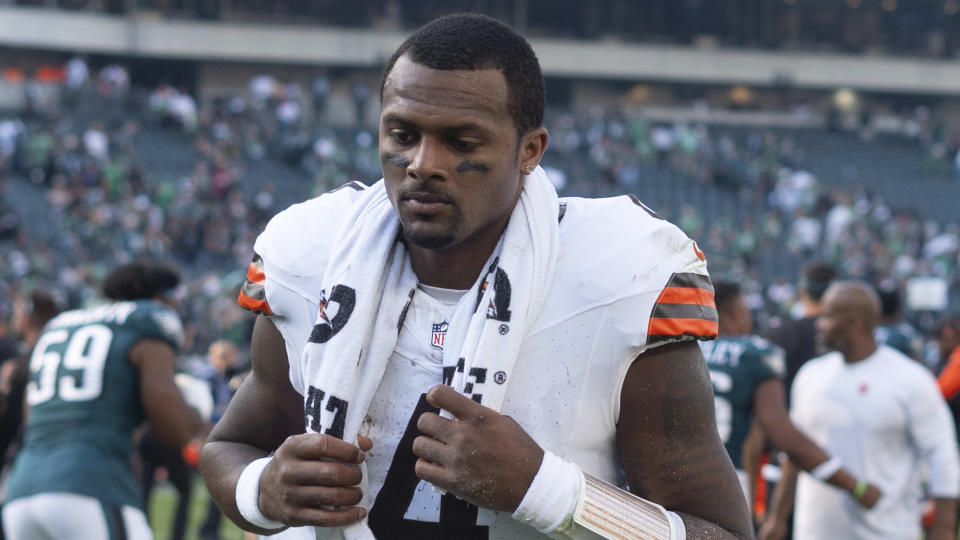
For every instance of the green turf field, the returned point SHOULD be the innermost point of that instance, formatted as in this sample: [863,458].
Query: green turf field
[163,504]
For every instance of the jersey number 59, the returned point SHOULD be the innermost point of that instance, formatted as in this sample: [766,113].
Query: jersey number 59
[86,350]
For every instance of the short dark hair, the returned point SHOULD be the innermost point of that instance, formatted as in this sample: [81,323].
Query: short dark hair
[470,41]
[889,299]
[43,307]
[817,277]
[724,293]
[139,280]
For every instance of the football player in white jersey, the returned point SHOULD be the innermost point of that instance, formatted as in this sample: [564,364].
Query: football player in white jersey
[608,376]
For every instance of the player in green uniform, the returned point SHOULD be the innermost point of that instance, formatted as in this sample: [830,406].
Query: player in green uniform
[739,364]
[746,372]
[95,375]
[893,331]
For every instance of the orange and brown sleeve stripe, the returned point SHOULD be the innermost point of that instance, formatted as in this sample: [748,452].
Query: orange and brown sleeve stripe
[684,308]
[253,295]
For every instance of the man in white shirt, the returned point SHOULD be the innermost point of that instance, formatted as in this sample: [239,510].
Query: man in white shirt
[882,415]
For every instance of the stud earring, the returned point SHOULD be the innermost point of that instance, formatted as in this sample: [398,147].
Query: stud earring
[528,169]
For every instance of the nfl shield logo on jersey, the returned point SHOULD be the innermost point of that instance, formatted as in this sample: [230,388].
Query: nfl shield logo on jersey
[439,334]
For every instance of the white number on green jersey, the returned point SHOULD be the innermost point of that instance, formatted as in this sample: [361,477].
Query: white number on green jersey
[722,383]
[86,352]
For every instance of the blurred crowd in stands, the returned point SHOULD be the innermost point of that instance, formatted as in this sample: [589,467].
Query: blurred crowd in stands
[105,174]
[780,214]
[100,208]
[928,28]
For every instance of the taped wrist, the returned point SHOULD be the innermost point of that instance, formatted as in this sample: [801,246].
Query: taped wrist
[248,495]
[619,515]
[562,497]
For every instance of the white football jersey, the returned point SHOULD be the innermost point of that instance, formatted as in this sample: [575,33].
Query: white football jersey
[626,280]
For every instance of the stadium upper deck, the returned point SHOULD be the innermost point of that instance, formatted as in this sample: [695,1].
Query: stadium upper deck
[929,28]
[866,45]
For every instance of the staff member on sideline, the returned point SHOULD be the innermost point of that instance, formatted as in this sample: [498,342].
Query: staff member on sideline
[882,414]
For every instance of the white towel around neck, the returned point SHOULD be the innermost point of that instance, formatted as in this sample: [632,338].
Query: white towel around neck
[367,288]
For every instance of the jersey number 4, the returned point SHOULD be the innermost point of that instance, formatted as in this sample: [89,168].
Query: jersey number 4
[457,518]
[86,352]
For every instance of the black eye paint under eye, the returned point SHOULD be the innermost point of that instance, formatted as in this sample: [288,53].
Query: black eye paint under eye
[395,160]
[466,166]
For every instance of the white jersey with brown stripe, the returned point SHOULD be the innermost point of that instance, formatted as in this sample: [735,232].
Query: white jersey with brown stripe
[617,260]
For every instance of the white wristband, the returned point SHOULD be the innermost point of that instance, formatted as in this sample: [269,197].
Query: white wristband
[248,495]
[552,496]
[825,470]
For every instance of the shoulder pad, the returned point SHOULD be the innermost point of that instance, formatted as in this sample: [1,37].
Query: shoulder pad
[299,238]
[157,321]
[634,245]
[775,359]
[616,250]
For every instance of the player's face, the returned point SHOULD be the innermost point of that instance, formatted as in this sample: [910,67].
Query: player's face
[742,315]
[449,153]
[833,324]
[20,316]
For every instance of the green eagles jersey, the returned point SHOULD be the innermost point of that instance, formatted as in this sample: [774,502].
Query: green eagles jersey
[737,365]
[84,401]
[902,337]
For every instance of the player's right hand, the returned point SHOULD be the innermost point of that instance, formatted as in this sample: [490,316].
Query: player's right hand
[312,480]
[870,496]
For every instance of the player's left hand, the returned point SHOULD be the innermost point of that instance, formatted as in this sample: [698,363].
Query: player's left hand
[481,456]
[870,496]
